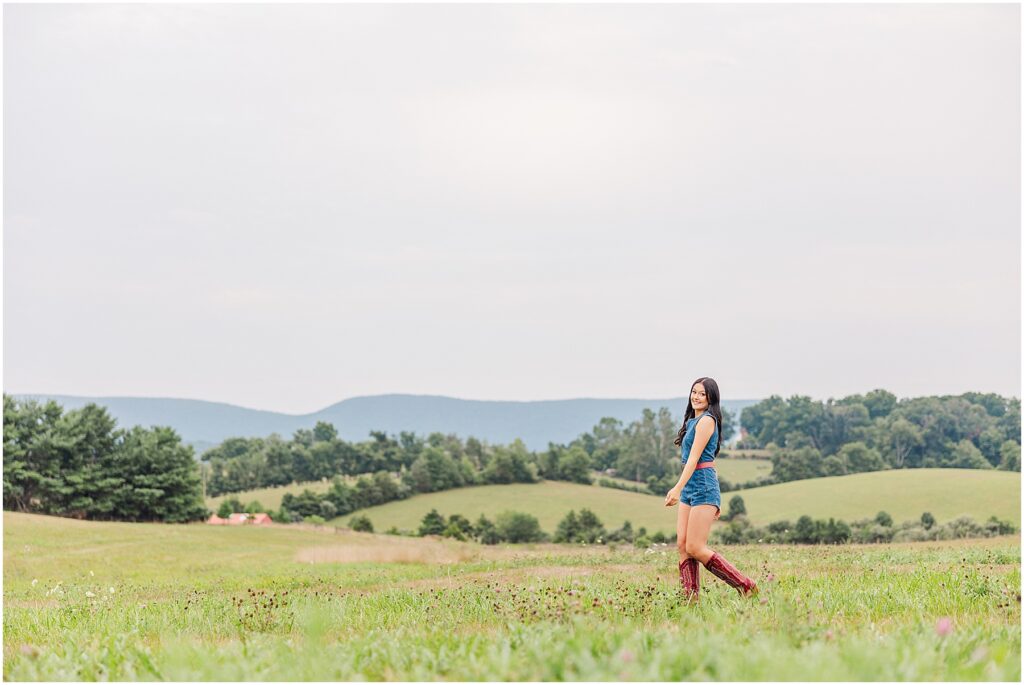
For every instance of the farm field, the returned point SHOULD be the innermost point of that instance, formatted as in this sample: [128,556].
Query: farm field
[549,501]
[905,494]
[271,497]
[733,469]
[119,601]
[739,470]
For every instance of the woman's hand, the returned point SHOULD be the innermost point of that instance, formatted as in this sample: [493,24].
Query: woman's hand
[673,496]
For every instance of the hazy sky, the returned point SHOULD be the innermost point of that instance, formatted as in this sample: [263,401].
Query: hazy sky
[284,206]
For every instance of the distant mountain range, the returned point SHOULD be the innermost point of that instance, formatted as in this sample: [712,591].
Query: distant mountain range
[205,424]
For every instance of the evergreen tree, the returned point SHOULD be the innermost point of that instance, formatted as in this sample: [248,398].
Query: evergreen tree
[433,523]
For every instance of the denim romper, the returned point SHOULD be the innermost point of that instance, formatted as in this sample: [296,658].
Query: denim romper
[702,488]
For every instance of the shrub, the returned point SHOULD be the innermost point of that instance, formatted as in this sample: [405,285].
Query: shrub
[433,523]
[314,519]
[361,524]
[736,507]
[516,526]
[927,520]
[485,531]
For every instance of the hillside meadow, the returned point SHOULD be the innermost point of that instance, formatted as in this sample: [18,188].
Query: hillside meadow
[735,470]
[905,494]
[120,601]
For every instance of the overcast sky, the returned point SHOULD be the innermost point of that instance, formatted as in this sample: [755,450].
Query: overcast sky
[284,206]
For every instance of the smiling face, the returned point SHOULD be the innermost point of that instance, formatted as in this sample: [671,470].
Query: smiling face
[698,398]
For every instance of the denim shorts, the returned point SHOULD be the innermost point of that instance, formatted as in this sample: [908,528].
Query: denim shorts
[702,488]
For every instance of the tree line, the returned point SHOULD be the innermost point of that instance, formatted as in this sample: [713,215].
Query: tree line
[875,431]
[642,449]
[79,464]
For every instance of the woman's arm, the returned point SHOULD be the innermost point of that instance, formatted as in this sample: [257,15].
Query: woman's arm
[702,434]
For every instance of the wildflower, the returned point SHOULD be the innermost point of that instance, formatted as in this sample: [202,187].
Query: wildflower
[111,590]
[89,594]
[627,656]
[944,627]
[91,573]
[35,581]
[829,635]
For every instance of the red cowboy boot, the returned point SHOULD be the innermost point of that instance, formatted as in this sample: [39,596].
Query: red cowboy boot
[689,578]
[727,572]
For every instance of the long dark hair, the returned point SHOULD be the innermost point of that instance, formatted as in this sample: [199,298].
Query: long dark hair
[714,408]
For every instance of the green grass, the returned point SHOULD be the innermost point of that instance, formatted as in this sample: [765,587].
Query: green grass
[271,497]
[214,603]
[738,470]
[904,493]
[549,501]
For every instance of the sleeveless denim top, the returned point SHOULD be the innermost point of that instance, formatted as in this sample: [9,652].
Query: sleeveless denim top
[709,450]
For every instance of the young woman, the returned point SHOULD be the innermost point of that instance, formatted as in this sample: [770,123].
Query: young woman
[698,494]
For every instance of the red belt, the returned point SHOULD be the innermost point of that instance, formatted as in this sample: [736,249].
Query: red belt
[706,465]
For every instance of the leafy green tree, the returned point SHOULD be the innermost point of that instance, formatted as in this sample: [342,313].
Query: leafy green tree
[903,442]
[989,443]
[736,507]
[341,496]
[882,518]
[32,463]
[224,511]
[161,478]
[796,464]
[327,509]
[861,458]
[361,524]
[433,523]
[516,526]
[880,403]
[486,532]
[835,465]
[568,529]
[1009,456]
[574,466]
[254,507]
[510,465]
[306,503]
[591,529]
[805,531]
[927,520]
[965,456]
[460,523]
[324,432]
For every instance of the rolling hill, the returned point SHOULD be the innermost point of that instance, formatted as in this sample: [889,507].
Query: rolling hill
[904,494]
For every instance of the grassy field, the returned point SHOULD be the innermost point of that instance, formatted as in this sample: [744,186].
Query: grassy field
[732,469]
[101,601]
[738,470]
[549,501]
[905,494]
[271,497]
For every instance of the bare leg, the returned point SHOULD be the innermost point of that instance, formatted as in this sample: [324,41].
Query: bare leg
[697,530]
[682,517]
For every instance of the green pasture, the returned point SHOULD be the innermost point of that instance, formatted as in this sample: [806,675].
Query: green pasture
[904,493]
[549,501]
[105,601]
[739,470]
[270,498]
